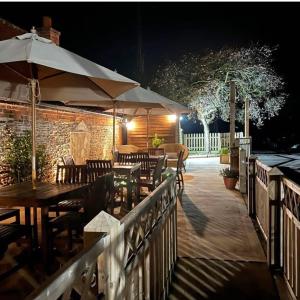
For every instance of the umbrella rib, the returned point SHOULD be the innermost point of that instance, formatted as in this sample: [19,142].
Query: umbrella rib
[53,75]
[15,71]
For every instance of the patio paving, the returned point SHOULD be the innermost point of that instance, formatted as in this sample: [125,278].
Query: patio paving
[220,255]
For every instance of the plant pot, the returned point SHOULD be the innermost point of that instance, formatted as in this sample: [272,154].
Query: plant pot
[224,159]
[230,183]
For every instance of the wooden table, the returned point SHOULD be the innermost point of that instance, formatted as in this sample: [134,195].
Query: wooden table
[45,195]
[131,172]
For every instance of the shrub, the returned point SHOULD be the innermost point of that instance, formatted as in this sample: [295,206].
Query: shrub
[18,157]
[224,151]
[229,173]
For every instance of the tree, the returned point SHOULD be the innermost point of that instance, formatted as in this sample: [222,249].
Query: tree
[202,82]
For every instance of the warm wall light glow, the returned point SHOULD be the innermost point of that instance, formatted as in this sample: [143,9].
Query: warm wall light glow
[130,125]
[172,118]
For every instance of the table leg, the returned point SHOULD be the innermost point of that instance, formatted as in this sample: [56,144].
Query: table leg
[35,229]
[129,195]
[44,236]
[138,192]
[27,216]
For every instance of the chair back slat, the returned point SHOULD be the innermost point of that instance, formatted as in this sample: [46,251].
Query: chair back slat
[69,174]
[156,179]
[180,160]
[96,168]
[143,159]
[100,196]
[125,158]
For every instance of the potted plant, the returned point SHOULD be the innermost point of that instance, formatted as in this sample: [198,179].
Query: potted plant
[230,178]
[156,141]
[224,155]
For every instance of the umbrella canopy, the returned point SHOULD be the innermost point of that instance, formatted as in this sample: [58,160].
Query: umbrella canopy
[31,61]
[20,53]
[137,97]
[137,101]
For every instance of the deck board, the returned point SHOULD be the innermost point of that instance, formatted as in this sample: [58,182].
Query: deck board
[212,221]
[220,256]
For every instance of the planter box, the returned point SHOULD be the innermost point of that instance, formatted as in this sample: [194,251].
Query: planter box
[224,159]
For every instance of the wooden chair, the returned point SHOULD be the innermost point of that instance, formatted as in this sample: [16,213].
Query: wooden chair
[143,159]
[99,197]
[179,167]
[70,174]
[68,160]
[10,233]
[7,213]
[156,151]
[125,158]
[155,179]
[96,168]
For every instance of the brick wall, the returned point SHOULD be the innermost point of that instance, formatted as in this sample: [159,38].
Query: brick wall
[54,127]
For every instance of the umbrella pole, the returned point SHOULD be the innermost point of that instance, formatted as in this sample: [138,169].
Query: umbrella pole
[114,127]
[148,118]
[33,131]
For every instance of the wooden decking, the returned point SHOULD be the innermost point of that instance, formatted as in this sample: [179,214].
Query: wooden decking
[220,255]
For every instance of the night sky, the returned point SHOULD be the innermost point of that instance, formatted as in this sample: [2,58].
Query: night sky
[107,34]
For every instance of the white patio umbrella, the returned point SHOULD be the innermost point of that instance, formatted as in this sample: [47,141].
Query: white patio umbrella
[32,65]
[137,101]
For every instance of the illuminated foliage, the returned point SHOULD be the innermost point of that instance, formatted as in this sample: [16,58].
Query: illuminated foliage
[202,82]
[18,156]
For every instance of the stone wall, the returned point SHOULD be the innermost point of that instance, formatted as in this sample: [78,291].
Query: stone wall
[54,128]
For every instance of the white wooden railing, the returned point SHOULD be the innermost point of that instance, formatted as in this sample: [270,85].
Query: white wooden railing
[274,201]
[132,258]
[195,141]
[291,236]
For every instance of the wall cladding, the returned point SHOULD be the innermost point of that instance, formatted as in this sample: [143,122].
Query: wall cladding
[54,127]
[158,124]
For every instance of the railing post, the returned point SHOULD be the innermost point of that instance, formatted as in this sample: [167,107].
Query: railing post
[274,196]
[111,278]
[251,185]
[242,171]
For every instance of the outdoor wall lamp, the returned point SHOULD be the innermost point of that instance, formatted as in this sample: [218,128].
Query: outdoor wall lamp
[172,118]
[130,125]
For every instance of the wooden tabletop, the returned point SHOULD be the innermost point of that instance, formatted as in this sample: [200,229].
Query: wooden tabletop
[129,167]
[45,194]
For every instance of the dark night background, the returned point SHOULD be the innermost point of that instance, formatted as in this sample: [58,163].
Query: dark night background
[107,33]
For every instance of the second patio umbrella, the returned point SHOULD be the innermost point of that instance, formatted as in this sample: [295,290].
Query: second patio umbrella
[135,99]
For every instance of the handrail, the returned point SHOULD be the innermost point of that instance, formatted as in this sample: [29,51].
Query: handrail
[56,285]
[141,226]
[146,204]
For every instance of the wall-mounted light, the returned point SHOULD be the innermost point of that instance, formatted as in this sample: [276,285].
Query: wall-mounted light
[172,118]
[181,118]
[130,125]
